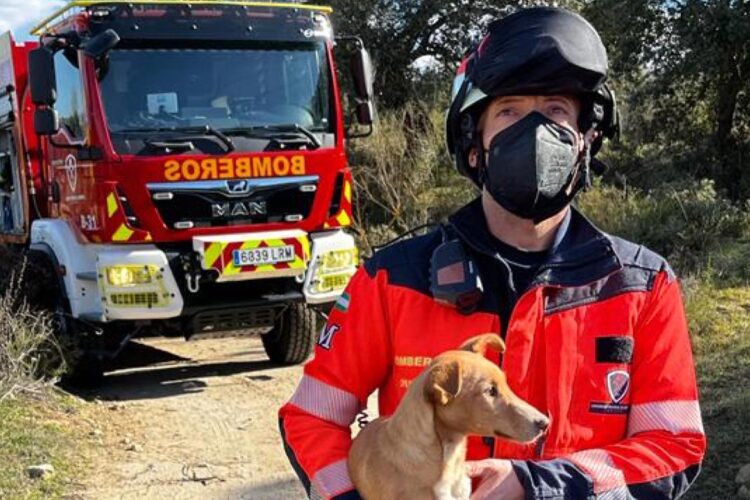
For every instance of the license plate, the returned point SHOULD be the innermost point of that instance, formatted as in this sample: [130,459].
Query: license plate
[334,282]
[263,256]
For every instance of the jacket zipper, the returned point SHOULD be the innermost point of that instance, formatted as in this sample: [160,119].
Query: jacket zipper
[539,448]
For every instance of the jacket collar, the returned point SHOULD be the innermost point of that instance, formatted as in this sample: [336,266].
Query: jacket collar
[581,253]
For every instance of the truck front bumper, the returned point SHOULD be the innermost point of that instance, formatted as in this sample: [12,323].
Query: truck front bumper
[149,282]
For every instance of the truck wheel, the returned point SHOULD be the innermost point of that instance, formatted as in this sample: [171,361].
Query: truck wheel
[293,336]
[86,371]
[83,367]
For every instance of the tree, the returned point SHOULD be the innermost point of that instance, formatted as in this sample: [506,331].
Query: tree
[399,32]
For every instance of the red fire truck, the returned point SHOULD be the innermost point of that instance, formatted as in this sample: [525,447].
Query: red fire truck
[180,169]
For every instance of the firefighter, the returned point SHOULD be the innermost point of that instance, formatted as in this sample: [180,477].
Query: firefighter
[594,325]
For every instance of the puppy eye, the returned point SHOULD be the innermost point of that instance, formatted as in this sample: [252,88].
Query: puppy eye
[492,391]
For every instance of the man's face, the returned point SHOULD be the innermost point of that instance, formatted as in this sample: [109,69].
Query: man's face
[507,110]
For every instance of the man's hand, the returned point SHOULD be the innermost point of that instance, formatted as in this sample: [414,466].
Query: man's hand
[496,480]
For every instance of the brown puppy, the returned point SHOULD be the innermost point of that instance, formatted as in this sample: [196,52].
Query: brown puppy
[418,452]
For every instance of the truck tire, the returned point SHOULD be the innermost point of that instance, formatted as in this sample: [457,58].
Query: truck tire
[293,336]
[84,368]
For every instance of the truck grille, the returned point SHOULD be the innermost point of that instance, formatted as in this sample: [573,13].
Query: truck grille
[185,205]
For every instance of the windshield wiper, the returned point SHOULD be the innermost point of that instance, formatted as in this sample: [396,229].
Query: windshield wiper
[202,131]
[273,131]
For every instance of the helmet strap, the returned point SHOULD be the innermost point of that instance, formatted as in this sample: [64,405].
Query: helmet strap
[585,162]
[481,165]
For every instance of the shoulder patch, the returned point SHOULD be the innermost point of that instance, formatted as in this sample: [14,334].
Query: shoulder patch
[342,303]
[326,336]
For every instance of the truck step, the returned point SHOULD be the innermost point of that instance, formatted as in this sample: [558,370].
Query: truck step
[250,332]
[234,319]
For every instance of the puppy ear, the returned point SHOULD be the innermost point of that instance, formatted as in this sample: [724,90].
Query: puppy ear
[443,382]
[480,343]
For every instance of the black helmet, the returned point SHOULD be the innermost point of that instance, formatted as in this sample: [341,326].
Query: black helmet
[536,51]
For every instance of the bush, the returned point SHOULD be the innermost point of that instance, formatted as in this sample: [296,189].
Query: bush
[690,224]
[29,354]
[404,176]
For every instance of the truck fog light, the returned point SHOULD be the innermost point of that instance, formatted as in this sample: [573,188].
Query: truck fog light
[130,275]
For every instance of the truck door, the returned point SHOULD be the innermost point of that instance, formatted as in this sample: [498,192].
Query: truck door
[72,175]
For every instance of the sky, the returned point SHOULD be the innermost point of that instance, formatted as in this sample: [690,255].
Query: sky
[21,15]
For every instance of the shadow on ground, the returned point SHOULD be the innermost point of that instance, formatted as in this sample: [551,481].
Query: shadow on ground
[144,371]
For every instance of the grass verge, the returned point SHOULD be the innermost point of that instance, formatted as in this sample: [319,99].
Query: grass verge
[720,324]
[34,431]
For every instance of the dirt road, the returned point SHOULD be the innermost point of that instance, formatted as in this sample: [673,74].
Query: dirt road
[191,420]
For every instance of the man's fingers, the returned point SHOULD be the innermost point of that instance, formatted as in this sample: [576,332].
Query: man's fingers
[475,468]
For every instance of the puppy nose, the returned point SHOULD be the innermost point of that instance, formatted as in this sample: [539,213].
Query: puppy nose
[541,423]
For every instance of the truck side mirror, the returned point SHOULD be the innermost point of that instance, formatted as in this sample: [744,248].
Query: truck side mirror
[366,112]
[46,121]
[42,77]
[361,68]
[101,44]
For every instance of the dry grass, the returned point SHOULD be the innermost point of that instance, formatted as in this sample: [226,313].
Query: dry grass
[27,347]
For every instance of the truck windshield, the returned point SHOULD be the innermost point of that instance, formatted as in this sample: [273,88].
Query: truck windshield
[145,89]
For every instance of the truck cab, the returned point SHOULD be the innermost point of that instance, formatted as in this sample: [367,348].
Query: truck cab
[181,168]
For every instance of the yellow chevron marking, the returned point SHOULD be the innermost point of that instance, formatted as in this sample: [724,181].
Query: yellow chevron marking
[213,253]
[111,205]
[148,237]
[343,218]
[305,247]
[123,233]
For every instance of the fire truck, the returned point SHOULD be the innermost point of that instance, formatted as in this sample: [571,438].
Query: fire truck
[179,169]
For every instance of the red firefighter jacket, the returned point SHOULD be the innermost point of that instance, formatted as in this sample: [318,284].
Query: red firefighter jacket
[598,342]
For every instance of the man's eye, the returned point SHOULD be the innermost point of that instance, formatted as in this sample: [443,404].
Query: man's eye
[559,110]
[505,112]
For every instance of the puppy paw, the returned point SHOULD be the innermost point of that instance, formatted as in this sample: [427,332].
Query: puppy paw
[462,489]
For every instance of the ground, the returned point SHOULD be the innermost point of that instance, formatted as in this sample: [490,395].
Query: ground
[193,420]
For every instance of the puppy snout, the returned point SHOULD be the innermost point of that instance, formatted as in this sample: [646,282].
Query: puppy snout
[541,423]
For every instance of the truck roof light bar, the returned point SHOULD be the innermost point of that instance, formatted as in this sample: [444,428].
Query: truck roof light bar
[76,6]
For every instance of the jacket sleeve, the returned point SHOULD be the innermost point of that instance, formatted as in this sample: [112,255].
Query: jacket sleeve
[661,455]
[351,361]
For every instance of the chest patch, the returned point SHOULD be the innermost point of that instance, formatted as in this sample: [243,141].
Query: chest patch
[618,383]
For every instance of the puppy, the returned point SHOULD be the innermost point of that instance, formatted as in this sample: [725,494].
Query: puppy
[419,452]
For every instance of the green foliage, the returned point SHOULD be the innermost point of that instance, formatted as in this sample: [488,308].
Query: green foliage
[698,231]
[679,70]
[404,176]
[720,326]
[398,32]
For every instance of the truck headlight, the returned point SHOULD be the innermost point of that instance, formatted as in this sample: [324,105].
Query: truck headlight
[127,276]
[339,259]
